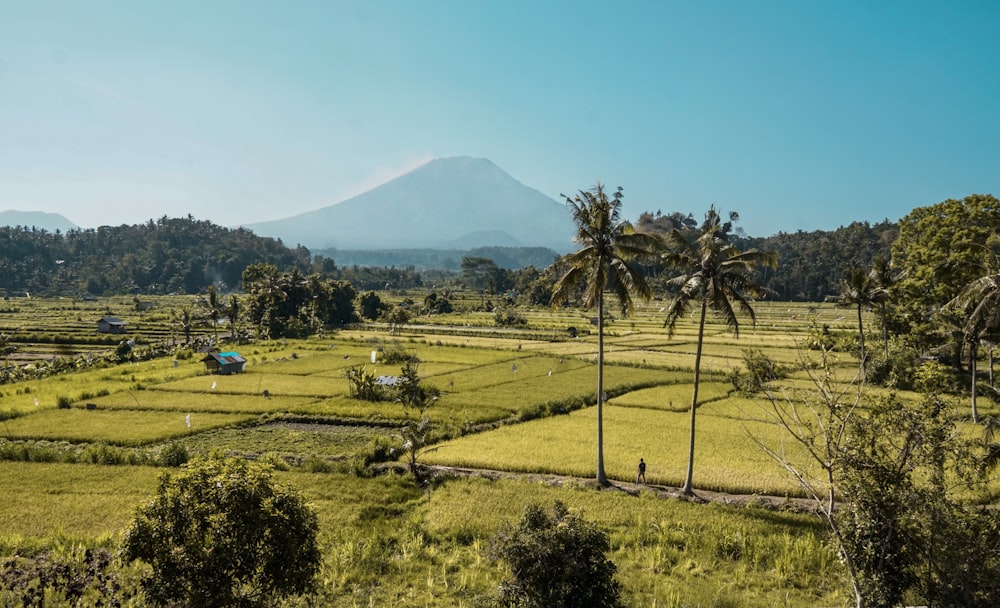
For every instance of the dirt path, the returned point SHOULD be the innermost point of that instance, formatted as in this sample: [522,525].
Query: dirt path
[799,505]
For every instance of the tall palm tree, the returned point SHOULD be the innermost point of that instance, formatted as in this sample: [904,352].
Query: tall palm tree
[214,309]
[714,274]
[860,289]
[885,279]
[186,322]
[233,311]
[605,262]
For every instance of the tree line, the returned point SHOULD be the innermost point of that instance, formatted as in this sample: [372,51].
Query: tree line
[184,255]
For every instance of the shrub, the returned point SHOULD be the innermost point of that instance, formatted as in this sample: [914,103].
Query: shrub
[174,455]
[507,317]
[394,353]
[363,384]
[380,449]
[898,370]
[820,338]
[761,370]
[935,378]
[221,533]
[556,560]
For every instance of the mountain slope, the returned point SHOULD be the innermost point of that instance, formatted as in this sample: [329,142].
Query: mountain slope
[38,219]
[447,201]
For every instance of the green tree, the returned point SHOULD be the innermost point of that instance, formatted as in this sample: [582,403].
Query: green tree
[437,305]
[860,289]
[221,533]
[483,275]
[290,305]
[186,322]
[939,251]
[556,560]
[396,317]
[213,309]
[887,477]
[371,306]
[715,274]
[979,304]
[605,261]
[233,310]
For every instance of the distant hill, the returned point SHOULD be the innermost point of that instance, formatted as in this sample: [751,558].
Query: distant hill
[37,219]
[449,203]
[511,258]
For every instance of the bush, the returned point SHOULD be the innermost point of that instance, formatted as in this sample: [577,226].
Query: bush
[935,378]
[221,533]
[363,384]
[173,455]
[819,338]
[394,353]
[897,371]
[761,370]
[507,317]
[556,560]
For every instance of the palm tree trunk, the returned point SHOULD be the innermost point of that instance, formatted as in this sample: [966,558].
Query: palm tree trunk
[972,368]
[689,479]
[861,337]
[885,334]
[991,367]
[601,477]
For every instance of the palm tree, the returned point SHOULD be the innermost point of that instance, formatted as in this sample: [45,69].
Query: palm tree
[608,246]
[885,279]
[233,311]
[214,310]
[860,289]
[186,321]
[715,274]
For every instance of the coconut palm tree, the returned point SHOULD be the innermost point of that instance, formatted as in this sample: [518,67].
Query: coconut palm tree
[716,275]
[233,311]
[859,288]
[186,321]
[885,278]
[214,309]
[609,246]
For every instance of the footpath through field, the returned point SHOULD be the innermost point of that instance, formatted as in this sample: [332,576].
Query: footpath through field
[783,503]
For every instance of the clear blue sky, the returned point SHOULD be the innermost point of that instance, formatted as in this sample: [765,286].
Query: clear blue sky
[798,115]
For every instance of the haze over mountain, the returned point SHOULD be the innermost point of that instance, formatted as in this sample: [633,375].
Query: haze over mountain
[37,219]
[448,203]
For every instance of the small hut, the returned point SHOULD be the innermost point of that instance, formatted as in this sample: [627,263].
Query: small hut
[110,325]
[224,363]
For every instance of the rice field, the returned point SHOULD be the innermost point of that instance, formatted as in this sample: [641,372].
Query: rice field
[519,403]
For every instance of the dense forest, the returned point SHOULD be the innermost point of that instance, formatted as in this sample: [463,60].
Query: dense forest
[185,255]
[180,255]
[810,264]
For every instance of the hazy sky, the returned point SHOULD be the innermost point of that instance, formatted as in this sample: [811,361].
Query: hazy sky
[798,115]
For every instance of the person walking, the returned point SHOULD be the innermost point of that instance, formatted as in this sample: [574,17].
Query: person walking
[642,471]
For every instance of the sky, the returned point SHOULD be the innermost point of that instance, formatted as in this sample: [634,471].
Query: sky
[797,115]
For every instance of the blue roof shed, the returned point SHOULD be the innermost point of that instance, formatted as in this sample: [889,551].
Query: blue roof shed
[224,363]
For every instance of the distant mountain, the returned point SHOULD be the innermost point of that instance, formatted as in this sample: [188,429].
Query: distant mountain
[495,238]
[448,203]
[37,219]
